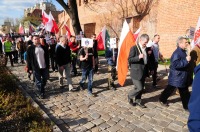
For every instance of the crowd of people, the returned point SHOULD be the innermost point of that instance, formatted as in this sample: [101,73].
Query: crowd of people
[63,55]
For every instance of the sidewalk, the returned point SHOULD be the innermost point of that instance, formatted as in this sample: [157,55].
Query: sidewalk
[109,111]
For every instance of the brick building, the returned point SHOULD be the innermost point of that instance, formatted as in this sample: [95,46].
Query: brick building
[170,19]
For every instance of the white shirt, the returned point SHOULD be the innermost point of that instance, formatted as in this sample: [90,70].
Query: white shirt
[155,48]
[40,56]
[144,53]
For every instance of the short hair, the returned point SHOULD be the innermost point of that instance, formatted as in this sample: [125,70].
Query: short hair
[156,35]
[62,38]
[35,36]
[144,36]
[180,40]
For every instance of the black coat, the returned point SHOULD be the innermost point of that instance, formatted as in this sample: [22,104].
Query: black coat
[32,59]
[138,69]
[63,55]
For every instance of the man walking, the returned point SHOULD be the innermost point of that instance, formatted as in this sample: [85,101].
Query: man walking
[8,49]
[138,58]
[156,52]
[178,74]
[38,63]
[63,59]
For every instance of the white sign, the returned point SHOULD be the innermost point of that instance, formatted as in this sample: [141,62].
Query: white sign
[192,30]
[113,43]
[78,37]
[86,42]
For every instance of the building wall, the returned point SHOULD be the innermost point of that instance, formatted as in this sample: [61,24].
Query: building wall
[174,18]
[168,18]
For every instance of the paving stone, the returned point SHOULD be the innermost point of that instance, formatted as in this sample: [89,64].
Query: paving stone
[158,128]
[98,121]
[89,125]
[175,127]
[126,129]
[73,124]
[111,122]
[168,130]
[137,123]
[80,129]
[123,123]
[104,126]
[114,128]
[131,126]
[116,119]
[163,123]
[105,117]
[95,115]
[139,130]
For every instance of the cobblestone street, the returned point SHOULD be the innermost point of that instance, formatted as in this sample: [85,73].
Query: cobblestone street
[110,110]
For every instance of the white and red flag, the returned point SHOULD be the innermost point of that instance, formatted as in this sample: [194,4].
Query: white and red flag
[21,29]
[51,25]
[125,44]
[45,17]
[196,34]
[136,34]
[68,33]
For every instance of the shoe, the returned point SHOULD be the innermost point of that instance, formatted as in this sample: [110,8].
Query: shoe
[42,96]
[163,104]
[91,94]
[130,101]
[72,89]
[81,87]
[141,105]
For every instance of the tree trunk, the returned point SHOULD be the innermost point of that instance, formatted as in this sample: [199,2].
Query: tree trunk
[72,11]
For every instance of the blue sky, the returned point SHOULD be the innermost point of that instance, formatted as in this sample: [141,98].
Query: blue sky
[15,8]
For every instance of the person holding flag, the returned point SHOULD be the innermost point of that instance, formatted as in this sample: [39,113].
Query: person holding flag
[138,60]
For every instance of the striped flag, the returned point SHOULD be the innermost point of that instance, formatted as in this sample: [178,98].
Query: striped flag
[125,44]
[103,39]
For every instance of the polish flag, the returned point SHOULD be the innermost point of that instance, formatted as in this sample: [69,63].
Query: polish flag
[45,17]
[68,33]
[125,44]
[196,34]
[55,26]
[21,29]
[137,33]
[51,25]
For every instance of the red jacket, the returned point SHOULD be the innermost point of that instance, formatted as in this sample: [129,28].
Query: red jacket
[73,46]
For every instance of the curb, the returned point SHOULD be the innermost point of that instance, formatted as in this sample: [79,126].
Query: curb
[34,104]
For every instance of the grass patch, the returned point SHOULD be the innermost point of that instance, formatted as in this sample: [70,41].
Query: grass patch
[17,112]
[101,53]
[166,62]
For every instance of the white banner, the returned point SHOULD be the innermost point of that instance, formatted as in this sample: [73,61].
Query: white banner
[86,42]
[113,43]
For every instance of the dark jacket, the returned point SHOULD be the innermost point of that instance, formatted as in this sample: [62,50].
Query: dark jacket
[32,59]
[63,55]
[178,69]
[52,50]
[194,107]
[138,69]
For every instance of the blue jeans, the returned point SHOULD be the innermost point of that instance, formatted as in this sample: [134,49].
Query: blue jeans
[87,73]
[41,77]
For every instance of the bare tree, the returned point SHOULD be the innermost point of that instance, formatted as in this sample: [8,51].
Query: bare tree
[112,11]
[71,8]
[142,7]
